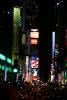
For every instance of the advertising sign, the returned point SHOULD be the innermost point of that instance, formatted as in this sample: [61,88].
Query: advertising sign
[34,34]
[34,62]
[34,41]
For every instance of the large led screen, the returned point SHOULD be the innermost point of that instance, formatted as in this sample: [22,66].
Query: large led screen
[34,62]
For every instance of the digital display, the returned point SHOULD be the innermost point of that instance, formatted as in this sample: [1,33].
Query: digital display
[34,62]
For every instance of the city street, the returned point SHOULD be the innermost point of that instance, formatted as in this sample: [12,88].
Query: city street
[28,91]
[33,50]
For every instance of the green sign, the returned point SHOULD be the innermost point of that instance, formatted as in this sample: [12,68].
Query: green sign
[9,60]
[5,68]
[2,57]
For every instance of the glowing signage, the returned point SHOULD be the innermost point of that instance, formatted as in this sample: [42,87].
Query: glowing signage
[35,78]
[35,71]
[34,62]
[9,60]
[53,44]
[34,34]
[34,30]
[5,68]
[34,41]
[2,57]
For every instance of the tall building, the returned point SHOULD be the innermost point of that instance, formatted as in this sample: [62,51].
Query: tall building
[60,26]
[47,24]
[16,26]
[32,14]
[24,18]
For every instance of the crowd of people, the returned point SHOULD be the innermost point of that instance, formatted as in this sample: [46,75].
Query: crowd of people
[43,91]
[32,91]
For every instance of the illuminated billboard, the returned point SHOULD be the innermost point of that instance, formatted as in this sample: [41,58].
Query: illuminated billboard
[34,62]
[35,78]
[53,44]
[35,71]
[34,34]
[34,41]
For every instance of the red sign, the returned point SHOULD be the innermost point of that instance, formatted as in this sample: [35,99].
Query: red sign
[35,77]
[34,41]
[34,64]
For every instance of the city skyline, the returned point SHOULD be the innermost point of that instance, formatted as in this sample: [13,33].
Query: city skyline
[50,17]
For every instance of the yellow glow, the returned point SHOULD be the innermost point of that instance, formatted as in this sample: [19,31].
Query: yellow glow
[34,34]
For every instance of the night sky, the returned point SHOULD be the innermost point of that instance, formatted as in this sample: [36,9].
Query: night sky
[5,28]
